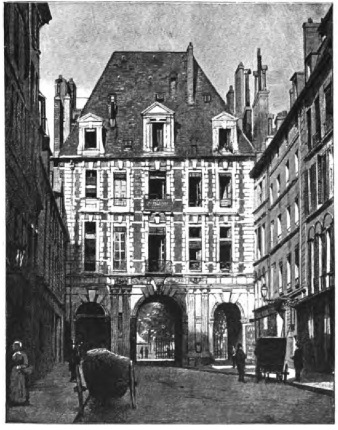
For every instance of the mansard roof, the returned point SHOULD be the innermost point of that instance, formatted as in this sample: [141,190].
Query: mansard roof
[135,78]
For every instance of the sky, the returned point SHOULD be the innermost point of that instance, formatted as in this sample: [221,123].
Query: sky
[81,37]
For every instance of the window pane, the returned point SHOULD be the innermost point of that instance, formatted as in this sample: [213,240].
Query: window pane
[90,138]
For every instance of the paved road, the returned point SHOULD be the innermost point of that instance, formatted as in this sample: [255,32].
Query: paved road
[180,396]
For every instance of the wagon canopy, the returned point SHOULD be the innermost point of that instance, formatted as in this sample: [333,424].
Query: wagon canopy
[270,350]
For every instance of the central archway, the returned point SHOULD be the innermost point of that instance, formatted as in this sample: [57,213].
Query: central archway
[92,326]
[227,330]
[157,331]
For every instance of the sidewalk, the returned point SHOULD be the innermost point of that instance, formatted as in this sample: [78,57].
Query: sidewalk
[318,382]
[52,400]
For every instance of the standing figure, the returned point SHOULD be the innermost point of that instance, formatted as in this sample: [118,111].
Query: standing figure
[18,392]
[233,355]
[298,361]
[146,352]
[141,351]
[74,360]
[240,360]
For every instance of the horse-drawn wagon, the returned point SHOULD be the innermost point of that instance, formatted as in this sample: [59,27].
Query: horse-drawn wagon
[270,358]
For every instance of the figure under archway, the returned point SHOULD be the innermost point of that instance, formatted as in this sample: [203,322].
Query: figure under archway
[227,331]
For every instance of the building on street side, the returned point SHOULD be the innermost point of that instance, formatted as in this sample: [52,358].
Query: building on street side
[155,171]
[36,233]
[294,264]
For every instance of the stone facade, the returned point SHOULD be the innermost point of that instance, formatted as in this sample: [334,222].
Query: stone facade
[294,212]
[35,230]
[158,200]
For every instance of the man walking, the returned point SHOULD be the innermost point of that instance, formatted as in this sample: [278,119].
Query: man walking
[298,361]
[240,361]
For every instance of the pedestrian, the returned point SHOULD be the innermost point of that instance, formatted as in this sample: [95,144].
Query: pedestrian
[298,360]
[141,351]
[19,392]
[146,352]
[233,354]
[73,361]
[240,361]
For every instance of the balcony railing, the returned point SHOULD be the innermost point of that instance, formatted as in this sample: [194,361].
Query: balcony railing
[119,201]
[156,202]
[225,203]
[225,266]
[158,266]
[195,265]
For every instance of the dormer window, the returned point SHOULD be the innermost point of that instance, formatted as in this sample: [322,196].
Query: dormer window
[224,133]
[90,138]
[158,128]
[90,135]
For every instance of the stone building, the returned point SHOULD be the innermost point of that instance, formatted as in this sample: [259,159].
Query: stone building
[294,265]
[155,170]
[35,229]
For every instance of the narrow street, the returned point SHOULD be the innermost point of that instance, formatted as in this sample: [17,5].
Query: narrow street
[181,396]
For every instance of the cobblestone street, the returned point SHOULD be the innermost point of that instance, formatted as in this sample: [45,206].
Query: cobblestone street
[180,396]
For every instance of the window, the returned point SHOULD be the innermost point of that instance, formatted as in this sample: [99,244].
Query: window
[296,212]
[195,248]
[271,193]
[225,192]
[287,173]
[259,192]
[288,219]
[90,247]
[224,139]
[113,109]
[195,189]
[119,251]
[318,262]
[311,326]
[328,108]
[157,250]
[278,185]
[313,186]
[288,271]
[225,249]
[91,177]
[90,138]
[207,98]
[296,267]
[310,265]
[317,136]
[157,185]
[321,162]
[263,239]
[279,227]
[306,197]
[157,133]
[272,276]
[280,277]
[296,163]
[173,84]
[309,127]
[272,233]
[120,189]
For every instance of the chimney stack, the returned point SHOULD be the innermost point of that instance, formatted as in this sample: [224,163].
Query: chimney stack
[239,90]
[311,43]
[190,74]
[231,100]
[280,118]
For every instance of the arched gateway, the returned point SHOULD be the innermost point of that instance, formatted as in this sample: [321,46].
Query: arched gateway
[158,326]
[92,326]
[227,329]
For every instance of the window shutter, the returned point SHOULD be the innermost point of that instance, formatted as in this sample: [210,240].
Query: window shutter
[306,192]
[320,179]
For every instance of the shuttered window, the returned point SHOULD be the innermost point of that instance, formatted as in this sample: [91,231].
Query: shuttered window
[320,179]
[313,186]
[119,248]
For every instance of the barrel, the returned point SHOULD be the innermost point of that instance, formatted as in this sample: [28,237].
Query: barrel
[106,374]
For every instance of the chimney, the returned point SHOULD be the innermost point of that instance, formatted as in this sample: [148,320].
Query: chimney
[311,43]
[270,119]
[231,100]
[72,93]
[239,89]
[247,73]
[61,89]
[190,74]
[67,116]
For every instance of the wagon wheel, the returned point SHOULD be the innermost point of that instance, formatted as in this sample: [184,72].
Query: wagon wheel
[132,384]
[79,388]
[286,372]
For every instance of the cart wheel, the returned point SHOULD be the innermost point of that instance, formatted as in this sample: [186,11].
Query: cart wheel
[132,384]
[286,372]
[79,387]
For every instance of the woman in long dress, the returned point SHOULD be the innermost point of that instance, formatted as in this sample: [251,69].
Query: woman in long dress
[18,392]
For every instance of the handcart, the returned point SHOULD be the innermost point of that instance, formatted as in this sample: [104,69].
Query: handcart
[270,358]
[105,375]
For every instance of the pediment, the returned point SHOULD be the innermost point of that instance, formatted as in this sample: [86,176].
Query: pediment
[90,117]
[157,109]
[224,116]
